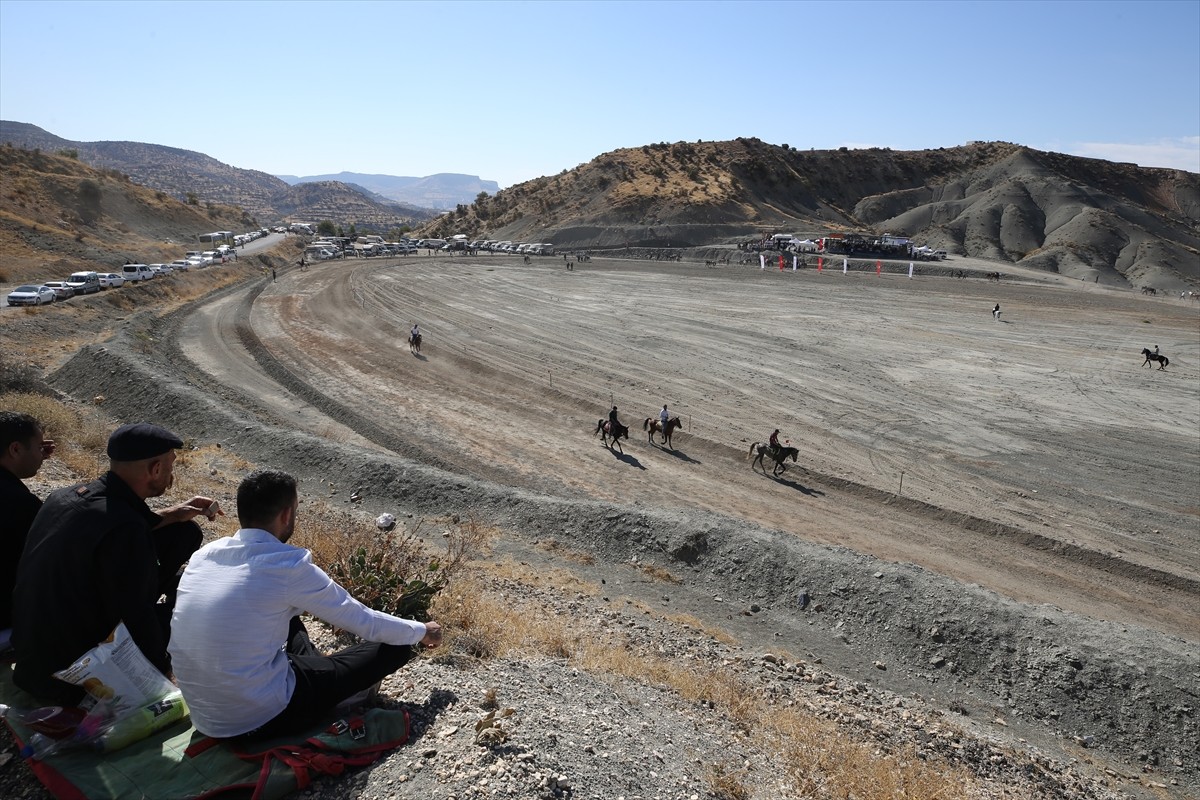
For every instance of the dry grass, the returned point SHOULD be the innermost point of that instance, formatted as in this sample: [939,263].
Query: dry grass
[659,574]
[561,551]
[79,433]
[813,755]
[687,620]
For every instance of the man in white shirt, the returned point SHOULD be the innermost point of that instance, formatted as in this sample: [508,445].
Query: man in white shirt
[239,651]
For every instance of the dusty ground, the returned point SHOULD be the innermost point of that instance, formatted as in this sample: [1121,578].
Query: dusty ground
[1077,468]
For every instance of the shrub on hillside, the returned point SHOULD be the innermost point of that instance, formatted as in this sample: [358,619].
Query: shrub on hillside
[392,572]
[21,378]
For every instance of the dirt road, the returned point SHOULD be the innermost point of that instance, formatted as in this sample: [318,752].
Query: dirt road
[1038,457]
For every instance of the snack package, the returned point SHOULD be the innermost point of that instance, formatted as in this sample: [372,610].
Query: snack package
[116,673]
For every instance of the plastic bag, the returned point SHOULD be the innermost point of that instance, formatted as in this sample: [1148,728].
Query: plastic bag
[116,672]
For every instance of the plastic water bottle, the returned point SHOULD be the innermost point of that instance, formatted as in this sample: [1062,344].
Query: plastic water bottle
[141,722]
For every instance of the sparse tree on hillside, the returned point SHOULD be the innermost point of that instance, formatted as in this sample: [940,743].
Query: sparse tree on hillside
[89,201]
[326,228]
[192,199]
[353,231]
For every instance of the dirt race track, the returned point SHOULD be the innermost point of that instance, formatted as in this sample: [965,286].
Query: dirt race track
[1038,457]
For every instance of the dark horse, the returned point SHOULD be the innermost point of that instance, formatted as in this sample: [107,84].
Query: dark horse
[414,343]
[654,426]
[1162,360]
[621,431]
[764,450]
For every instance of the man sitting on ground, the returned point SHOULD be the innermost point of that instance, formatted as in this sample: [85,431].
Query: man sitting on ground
[97,555]
[240,652]
[23,448]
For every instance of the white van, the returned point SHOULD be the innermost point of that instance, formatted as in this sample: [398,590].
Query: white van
[136,272]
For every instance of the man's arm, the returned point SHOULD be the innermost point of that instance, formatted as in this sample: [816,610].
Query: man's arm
[313,591]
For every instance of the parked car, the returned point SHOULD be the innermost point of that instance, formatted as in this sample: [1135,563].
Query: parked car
[84,282]
[197,262]
[62,290]
[136,272]
[111,280]
[181,265]
[31,295]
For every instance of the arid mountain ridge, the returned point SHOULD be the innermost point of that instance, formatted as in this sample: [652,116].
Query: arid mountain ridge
[183,173]
[1096,220]
[58,215]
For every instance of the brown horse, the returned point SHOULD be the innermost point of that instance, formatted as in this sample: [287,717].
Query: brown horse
[654,426]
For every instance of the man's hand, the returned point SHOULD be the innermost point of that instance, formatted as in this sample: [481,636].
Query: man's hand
[48,447]
[192,508]
[433,635]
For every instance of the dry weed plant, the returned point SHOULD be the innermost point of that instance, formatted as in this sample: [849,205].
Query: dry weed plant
[726,783]
[389,571]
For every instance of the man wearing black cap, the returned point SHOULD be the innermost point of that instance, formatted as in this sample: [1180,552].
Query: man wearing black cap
[97,555]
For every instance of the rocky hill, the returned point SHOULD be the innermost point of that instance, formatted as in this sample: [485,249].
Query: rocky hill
[1086,218]
[57,212]
[442,191]
[188,175]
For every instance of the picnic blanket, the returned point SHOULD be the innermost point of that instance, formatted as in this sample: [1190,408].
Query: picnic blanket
[182,763]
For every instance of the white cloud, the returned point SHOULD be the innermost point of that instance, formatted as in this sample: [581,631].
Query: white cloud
[1181,153]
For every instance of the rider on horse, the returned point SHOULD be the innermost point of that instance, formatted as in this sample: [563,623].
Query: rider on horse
[614,424]
[774,442]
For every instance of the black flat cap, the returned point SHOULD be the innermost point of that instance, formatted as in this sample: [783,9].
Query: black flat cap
[141,440]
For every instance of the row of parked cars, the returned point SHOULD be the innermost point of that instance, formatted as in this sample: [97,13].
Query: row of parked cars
[33,294]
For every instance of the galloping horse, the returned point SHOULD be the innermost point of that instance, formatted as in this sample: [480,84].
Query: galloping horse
[654,426]
[1162,360]
[621,431]
[764,450]
[414,343]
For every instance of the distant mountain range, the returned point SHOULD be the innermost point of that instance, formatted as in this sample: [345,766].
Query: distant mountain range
[188,175]
[443,191]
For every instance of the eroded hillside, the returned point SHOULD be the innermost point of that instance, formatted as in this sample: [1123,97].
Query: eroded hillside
[1086,218]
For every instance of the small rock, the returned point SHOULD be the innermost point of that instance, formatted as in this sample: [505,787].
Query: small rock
[880,665]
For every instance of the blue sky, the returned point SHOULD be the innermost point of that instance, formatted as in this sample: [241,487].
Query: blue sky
[512,91]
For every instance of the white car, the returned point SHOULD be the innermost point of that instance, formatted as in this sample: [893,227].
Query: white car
[160,269]
[111,280]
[137,272]
[62,290]
[31,295]
[181,265]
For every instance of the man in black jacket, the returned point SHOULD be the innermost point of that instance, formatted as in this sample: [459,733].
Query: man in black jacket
[98,555]
[23,448]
